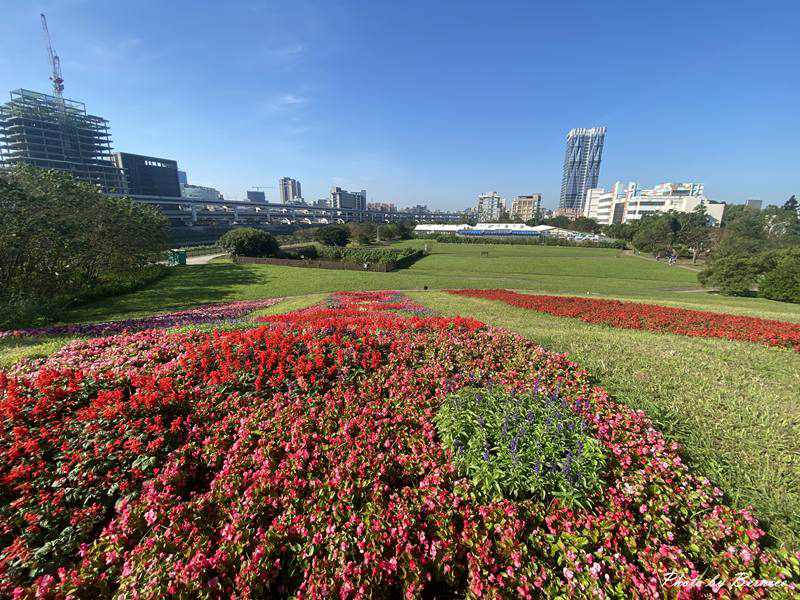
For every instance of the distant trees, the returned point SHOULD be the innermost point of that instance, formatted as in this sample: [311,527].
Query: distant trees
[63,241]
[341,234]
[248,241]
[618,231]
[560,221]
[363,233]
[333,235]
[688,234]
[758,249]
[405,229]
[585,224]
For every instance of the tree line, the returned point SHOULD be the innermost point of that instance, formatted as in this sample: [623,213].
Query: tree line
[63,242]
[751,252]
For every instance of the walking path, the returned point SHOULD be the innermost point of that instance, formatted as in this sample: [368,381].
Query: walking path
[645,257]
[203,259]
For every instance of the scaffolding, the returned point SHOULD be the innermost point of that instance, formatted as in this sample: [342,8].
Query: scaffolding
[50,132]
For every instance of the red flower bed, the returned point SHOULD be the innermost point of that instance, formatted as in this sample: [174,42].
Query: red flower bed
[300,459]
[635,315]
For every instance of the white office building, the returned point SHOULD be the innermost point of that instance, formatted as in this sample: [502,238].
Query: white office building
[622,205]
[348,200]
[199,192]
[490,207]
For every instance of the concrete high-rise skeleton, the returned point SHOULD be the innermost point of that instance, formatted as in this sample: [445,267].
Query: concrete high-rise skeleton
[51,132]
[581,166]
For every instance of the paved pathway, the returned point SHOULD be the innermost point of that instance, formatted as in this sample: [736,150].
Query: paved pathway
[203,259]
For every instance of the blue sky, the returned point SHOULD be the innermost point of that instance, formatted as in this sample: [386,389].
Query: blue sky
[431,102]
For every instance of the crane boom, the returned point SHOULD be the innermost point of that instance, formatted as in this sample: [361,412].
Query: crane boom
[55,62]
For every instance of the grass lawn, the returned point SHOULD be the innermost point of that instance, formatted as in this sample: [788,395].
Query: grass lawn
[543,269]
[733,405]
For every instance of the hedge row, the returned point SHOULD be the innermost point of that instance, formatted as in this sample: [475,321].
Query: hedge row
[355,254]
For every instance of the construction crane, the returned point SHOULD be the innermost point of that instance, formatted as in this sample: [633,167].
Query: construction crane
[55,62]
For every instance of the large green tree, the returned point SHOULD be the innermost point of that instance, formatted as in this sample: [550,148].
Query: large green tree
[757,250]
[333,235]
[61,239]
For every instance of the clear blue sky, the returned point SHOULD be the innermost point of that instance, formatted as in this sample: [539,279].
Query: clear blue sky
[431,102]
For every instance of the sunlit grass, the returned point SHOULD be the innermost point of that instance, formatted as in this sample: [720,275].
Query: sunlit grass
[539,269]
[734,406]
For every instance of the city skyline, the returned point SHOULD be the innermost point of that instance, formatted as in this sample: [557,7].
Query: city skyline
[232,127]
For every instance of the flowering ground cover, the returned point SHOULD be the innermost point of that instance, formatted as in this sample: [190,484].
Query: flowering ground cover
[650,317]
[301,459]
[209,313]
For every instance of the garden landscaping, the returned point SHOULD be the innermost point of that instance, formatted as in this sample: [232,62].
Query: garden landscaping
[210,313]
[650,317]
[360,447]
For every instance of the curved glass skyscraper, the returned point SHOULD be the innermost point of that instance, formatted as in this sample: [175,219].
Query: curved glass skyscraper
[581,166]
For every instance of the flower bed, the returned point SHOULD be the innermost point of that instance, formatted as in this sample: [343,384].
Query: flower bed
[650,317]
[209,313]
[301,459]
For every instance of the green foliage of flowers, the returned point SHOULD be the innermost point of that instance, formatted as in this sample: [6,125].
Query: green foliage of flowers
[521,445]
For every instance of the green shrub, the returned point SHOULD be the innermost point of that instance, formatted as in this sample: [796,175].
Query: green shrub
[202,250]
[123,283]
[368,255]
[519,446]
[782,281]
[333,235]
[248,241]
[300,252]
[733,275]
[23,310]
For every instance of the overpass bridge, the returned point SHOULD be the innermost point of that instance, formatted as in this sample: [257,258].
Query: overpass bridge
[190,211]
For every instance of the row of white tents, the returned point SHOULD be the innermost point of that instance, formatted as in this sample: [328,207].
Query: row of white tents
[503,229]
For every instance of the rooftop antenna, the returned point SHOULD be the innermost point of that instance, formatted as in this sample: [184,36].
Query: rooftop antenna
[55,62]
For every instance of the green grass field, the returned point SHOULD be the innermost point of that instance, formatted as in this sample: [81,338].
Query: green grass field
[734,406]
[543,269]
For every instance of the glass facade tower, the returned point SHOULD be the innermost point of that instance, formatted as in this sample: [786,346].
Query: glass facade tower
[581,166]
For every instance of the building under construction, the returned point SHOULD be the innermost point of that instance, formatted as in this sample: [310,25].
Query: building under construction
[51,132]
